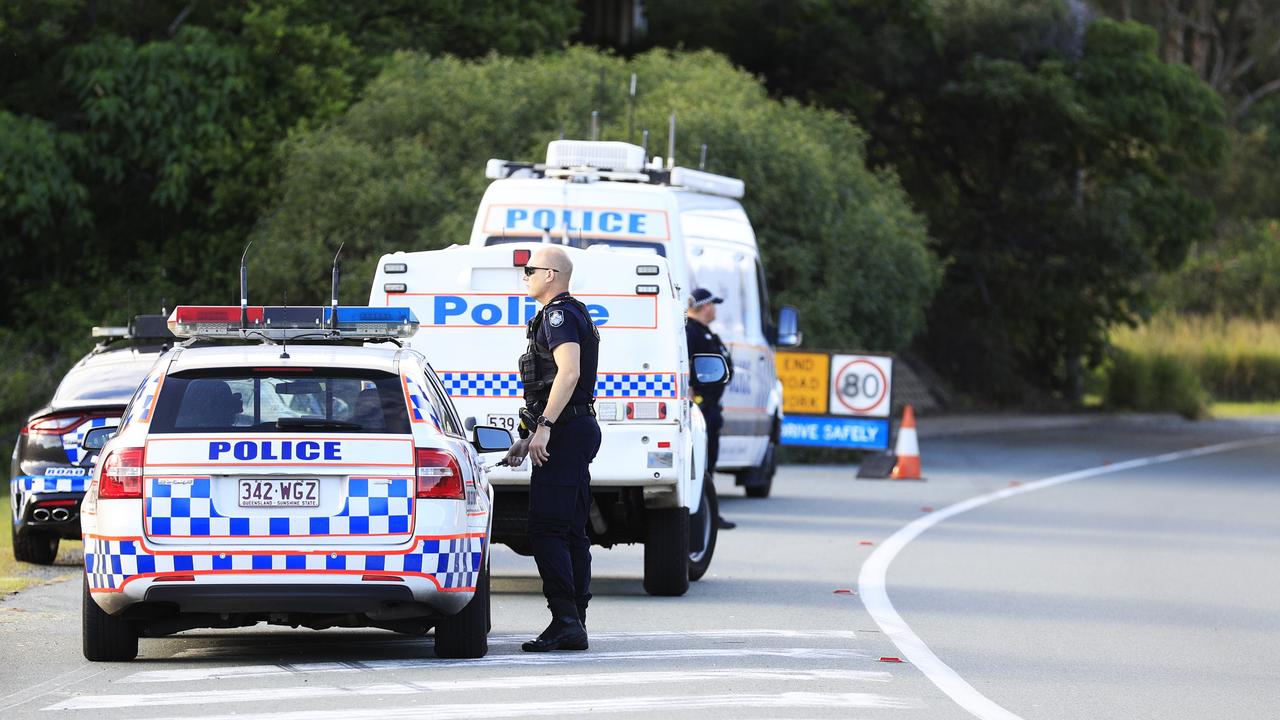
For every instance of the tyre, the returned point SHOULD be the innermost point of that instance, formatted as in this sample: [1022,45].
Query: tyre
[106,638]
[758,481]
[666,551]
[35,547]
[466,635]
[704,523]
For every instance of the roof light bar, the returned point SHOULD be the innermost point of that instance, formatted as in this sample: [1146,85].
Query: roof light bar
[603,155]
[285,323]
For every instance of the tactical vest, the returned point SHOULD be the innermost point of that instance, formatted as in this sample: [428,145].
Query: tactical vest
[538,364]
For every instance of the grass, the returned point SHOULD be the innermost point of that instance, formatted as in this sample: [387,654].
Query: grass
[1236,359]
[1244,409]
[14,575]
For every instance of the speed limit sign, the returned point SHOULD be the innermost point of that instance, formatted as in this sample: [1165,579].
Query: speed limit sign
[860,385]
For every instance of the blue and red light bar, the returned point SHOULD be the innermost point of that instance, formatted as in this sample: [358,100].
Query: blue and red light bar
[285,323]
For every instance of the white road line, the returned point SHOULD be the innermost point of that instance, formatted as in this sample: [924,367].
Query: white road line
[245,671]
[871,579]
[595,706]
[519,682]
[75,676]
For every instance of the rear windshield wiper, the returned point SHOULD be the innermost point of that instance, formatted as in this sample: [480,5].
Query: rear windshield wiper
[295,423]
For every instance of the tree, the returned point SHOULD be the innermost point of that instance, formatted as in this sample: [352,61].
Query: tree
[402,170]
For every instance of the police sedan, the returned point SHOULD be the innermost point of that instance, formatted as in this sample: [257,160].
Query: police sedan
[290,466]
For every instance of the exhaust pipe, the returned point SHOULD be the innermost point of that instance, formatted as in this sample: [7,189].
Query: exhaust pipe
[61,514]
[40,514]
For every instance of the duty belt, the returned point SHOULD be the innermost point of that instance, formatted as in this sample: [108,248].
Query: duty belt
[573,411]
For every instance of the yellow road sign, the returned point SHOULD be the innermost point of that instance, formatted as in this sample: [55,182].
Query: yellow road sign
[804,379]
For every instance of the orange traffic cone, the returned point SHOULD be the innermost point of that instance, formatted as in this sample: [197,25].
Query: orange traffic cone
[907,449]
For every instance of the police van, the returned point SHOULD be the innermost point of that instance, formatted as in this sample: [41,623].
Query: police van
[649,482]
[275,468]
[606,195]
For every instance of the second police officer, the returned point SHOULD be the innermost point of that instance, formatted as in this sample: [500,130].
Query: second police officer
[697,328]
[560,435]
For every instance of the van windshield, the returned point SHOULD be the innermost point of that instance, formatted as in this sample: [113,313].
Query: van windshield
[299,400]
[581,242]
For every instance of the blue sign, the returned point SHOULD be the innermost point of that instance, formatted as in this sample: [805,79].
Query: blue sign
[853,433]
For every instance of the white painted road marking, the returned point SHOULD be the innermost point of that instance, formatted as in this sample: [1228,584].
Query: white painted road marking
[520,682]
[871,579]
[241,671]
[596,706]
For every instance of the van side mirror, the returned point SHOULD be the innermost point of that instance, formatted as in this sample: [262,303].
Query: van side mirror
[710,369]
[97,438]
[789,334]
[491,439]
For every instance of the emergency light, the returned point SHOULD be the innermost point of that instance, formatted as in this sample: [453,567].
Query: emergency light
[287,323]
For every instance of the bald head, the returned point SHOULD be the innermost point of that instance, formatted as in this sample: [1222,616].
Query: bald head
[551,272]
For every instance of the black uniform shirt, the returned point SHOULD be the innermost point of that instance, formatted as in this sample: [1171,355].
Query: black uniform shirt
[564,322]
[702,341]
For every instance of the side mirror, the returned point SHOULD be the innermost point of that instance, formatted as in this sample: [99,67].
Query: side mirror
[97,438]
[789,334]
[710,369]
[491,439]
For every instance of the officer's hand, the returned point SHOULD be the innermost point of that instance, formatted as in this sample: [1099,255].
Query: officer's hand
[515,456]
[538,446]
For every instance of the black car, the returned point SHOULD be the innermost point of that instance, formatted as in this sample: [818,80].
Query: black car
[51,465]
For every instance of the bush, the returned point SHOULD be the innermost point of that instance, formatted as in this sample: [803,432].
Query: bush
[1155,382]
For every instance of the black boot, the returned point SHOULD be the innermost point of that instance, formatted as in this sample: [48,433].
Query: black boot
[564,633]
[582,616]
[723,524]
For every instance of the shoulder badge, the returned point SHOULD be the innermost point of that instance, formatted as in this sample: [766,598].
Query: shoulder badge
[556,318]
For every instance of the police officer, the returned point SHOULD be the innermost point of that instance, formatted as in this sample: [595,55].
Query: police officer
[697,330]
[559,433]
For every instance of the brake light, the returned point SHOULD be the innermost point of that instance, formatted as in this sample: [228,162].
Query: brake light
[439,475]
[53,424]
[122,474]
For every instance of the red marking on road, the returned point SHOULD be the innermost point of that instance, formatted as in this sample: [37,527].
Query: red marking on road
[865,542]
[926,508]
[843,591]
[890,659]
[1015,483]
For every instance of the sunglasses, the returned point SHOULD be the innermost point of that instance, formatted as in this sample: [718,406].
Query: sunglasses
[529,270]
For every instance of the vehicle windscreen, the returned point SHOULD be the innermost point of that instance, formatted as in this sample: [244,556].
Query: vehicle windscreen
[586,242]
[104,382]
[292,400]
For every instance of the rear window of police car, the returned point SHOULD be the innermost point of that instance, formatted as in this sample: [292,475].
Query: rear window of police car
[319,400]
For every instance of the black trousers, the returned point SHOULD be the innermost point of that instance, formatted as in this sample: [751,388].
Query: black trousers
[715,423]
[559,504]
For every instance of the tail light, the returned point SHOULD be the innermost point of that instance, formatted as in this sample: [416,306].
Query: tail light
[122,474]
[53,424]
[439,475]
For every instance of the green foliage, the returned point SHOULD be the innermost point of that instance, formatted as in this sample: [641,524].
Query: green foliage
[1154,382]
[1235,274]
[402,170]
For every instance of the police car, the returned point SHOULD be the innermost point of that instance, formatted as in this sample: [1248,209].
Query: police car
[293,466]
[52,460]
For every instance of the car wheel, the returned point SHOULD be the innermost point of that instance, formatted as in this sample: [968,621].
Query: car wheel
[758,481]
[703,525]
[106,638]
[666,551]
[466,635]
[35,547]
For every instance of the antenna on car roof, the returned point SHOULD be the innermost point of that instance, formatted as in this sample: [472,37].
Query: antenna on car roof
[244,287]
[631,102]
[333,295]
[702,159]
[644,143]
[595,125]
[671,142]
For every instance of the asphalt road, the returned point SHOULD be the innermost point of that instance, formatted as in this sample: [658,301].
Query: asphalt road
[1143,592]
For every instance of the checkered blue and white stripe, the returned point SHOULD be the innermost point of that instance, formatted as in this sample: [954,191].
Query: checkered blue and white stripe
[454,562]
[41,484]
[71,441]
[140,407]
[185,508]
[608,385]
